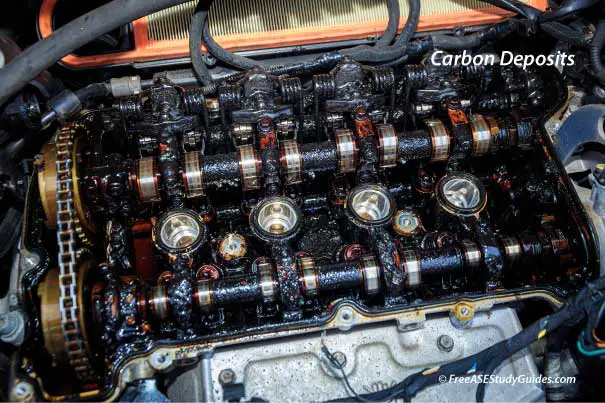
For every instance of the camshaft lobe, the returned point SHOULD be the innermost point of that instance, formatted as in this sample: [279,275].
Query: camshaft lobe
[388,149]
[366,274]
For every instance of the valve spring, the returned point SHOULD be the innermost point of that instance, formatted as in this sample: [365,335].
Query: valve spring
[472,72]
[416,76]
[324,86]
[525,134]
[507,126]
[512,83]
[131,108]
[496,102]
[383,78]
[291,89]
[229,96]
[194,102]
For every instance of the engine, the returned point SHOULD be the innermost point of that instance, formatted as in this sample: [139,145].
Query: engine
[231,240]
[271,203]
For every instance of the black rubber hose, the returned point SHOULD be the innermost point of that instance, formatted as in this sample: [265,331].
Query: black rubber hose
[93,91]
[410,27]
[595,49]
[393,25]
[448,42]
[324,61]
[245,63]
[570,7]
[415,48]
[235,60]
[534,16]
[372,54]
[195,42]
[564,33]
[75,34]
[529,12]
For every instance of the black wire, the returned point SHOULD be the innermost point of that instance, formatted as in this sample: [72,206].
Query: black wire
[245,63]
[92,91]
[567,9]
[548,21]
[396,62]
[393,25]
[195,42]
[345,379]
[575,310]
[411,25]
[595,50]
[487,372]
[449,42]
[565,33]
[364,53]
[593,319]
[529,12]
[233,59]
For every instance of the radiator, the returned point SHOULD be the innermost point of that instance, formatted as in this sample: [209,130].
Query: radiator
[260,24]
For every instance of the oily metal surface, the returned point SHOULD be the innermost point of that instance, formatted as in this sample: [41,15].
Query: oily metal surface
[376,357]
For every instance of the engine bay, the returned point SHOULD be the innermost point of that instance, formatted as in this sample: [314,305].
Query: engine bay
[214,234]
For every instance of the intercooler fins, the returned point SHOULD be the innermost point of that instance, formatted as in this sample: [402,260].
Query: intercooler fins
[260,24]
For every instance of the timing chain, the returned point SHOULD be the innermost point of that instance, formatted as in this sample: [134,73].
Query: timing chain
[68,228]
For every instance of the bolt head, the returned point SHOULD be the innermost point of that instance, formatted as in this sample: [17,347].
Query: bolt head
[226,376]
[346,314]
[30,260]
[445,343]
[160,360]
[23,391]
[464,312]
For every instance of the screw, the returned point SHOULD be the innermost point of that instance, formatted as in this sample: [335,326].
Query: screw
[445,343]
[346,314]
[30,260]
[464,311]
[160,360]
[23,391]
[226,376]
[462,315]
